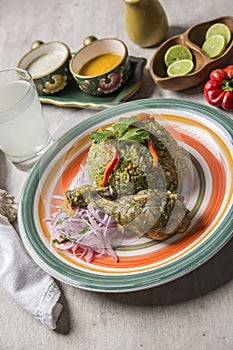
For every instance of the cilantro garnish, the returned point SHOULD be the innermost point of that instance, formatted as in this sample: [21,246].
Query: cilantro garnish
[122,130]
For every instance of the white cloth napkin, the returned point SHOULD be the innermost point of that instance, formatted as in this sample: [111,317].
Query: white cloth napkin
[26,282]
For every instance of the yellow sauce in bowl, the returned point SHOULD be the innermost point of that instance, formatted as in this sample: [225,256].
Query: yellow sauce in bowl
[100,64]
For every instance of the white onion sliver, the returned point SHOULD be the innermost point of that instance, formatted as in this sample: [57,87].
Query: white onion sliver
[56,196]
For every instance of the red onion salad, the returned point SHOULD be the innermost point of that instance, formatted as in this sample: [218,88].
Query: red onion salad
[88,233]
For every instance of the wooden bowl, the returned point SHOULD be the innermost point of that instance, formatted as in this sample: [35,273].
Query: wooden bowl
[193,38]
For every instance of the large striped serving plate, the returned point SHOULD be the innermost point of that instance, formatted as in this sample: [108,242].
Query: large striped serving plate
[205,133]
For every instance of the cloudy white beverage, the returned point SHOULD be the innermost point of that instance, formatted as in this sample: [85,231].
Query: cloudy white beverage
[23,131]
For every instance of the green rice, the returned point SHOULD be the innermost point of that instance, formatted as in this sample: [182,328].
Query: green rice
[134,170]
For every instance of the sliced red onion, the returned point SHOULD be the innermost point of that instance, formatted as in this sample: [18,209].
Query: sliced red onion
[89,231]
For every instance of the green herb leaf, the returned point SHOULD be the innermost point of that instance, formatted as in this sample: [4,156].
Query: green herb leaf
[135,134]
[124,129]
[84,230]
[61,242]
[122,126]
[100,135]
[62,235]
[120,129]
[127,121]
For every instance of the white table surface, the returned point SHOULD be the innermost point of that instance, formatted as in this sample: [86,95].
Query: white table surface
[192,312]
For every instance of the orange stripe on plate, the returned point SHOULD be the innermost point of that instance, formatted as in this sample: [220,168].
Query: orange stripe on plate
[139,262]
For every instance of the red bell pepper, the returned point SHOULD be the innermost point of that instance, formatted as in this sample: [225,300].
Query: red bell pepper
[218,90]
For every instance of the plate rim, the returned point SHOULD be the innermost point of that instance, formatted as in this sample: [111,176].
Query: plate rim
[99,117]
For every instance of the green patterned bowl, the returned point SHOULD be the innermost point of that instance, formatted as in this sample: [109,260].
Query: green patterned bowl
[106,82]
[48,64]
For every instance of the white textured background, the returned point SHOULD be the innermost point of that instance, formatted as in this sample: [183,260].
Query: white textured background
[192,313]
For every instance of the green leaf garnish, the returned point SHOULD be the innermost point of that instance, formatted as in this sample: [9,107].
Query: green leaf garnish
[127,121]
[135,134]
[122,130]
[61,242]
[63,235]
[100,135]
[84,230]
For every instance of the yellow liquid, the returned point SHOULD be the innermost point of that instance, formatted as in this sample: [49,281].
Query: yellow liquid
[100,64]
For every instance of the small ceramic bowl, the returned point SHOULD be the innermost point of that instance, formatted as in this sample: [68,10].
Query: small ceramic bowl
[48,64]
[193,38]
[107,81]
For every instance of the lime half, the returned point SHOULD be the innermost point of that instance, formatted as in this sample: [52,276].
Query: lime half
[181,67]
[220,29]
[214,46]
[175,53]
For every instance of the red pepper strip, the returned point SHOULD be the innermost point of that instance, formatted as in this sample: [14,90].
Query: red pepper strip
[144,116]
[109,168]
[153,152]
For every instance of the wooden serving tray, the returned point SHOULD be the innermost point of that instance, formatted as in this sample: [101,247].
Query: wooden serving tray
[193,38]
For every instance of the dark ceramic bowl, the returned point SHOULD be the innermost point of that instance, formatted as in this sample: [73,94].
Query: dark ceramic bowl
[108,81]
[193,38]
[48,64]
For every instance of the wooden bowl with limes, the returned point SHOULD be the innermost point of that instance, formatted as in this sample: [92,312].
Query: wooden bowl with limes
[198,40]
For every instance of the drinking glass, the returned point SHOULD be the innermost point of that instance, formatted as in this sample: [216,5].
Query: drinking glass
[23,131]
